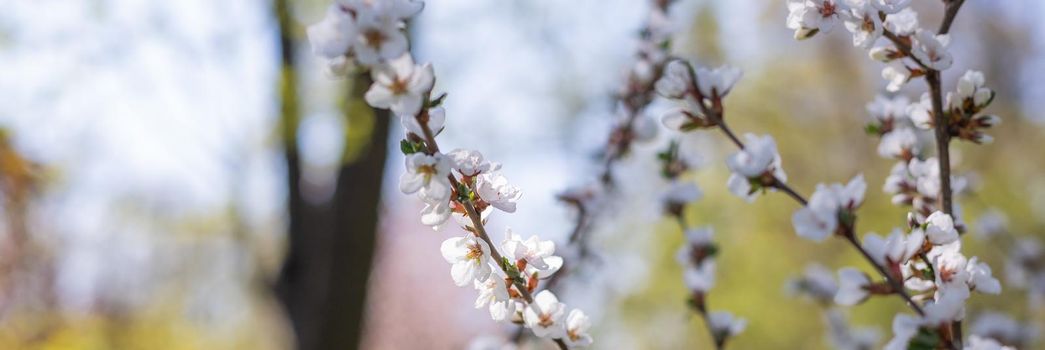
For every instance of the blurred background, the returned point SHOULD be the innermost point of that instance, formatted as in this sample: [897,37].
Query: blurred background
[182,175]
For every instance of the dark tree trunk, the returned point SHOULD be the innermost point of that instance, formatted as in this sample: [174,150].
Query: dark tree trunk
[323,281]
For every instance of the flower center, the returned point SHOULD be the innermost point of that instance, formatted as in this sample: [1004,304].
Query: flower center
[573,334]
[546,320]
[398,87]
[474,252]
[374,38]
[828,9]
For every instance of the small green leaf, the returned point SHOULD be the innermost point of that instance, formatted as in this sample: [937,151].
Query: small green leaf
[873,129]
[438,101]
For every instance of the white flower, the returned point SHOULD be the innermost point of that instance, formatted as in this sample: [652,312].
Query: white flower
[900,143]
[905,327]
[819,219]
[700,278]
[852,286]
[436,119]
[1003,328]
[427,174]
[883,54]
[940,229]
[682,193]
[948,305]
[394,10]
[471,163]
[333,36]
[808,17]
[931,49]
[494,292]
[495,190]
[508,311]
[971,89]
[716,83]
[902,23]
[685,118]
[577,325]
[981,278]
[981,343]
[380,38]
[536,253]
[470,257]
[890,6]
[890,111]
[545,315]
[896,249]
[400,86]
[435,213]
[921,112]
[758,157]
[864,23]
[724,325]
[675,81]
[816,282]
[897,74]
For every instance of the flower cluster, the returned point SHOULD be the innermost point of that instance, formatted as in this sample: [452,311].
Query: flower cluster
[697,256]
[460,184]
[964,106]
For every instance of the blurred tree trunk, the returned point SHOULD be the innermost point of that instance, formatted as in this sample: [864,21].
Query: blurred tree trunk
[323,281]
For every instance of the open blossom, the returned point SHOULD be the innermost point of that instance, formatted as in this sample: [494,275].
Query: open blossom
[927,176]
[888,113]
[716,83]
[380,38]
[808,17]
[819,219]
[895,249]
[890,6]
[495,190]
[427,174]
[470,257]
[905,327]
[758,158]
[981,343]
[863,22]
[471,163]
[902,23]
[940,229]
[493,293]
[921,112]
[536,254]
[700,278]
[435,213]
[816,282]
[901,143]
[333,36]
[897,74]
[545,315]
[400,86]
[724,325]
[675,81]
[981,278]
[931,49]
[948,305]
[852,286]
[577,325]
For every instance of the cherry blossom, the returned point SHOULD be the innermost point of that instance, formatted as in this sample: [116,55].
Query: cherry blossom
[900,143]
[888,113]
[902,23]
[852,286]
[400,86]
[435,120]
[905,327]
[940,229]
[716,83]
[471,163]
[863,22]
[724,325]
[931,49]
[470,259]
[380,38]
[545,315]
[816,282]
[895,249]
[897,74]
[758,159]
[427,174]
[495,190]
[676,80]
[333,36]
[700,278]
[890,6]
[533,254]
[577,325]
[819,218]
[809,17]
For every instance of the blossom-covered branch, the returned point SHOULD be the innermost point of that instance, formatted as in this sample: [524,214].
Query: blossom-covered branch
[698,255]
[459,184]
[924,183]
